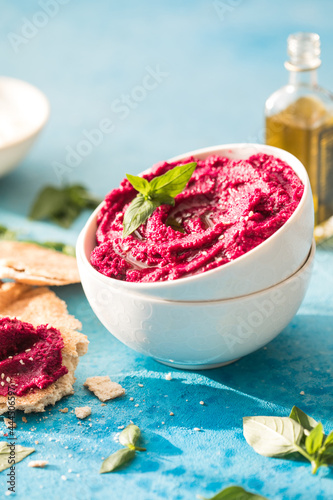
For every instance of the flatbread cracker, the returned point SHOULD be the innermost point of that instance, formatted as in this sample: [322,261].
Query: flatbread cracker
[40,306]
[34,265]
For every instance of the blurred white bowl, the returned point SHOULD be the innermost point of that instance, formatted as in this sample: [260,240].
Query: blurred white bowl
[274,260]
[193,335]
[24,110]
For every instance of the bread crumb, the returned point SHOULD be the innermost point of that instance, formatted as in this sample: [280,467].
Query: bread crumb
[83,411]
[9,423]
[63,410]
[24,419]
[103,404]
[37,463]
[202,403]
[131,399]
[196,429]
[140,385]
[104,388]
[302,393]
[36,442]
[64,478]
[171,413]
[168,376]
[136,405]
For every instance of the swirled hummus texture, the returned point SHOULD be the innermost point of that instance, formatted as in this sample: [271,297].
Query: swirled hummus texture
[228,208]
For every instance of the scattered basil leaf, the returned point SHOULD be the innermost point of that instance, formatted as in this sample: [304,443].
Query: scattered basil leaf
[293,437]
[21,452]
[59,247]
[272,436]
[117,460]
[235,493]
[10,235]
[302,418]
[129,437]
[62,205]
[7,234]
[314,439]
[161,190]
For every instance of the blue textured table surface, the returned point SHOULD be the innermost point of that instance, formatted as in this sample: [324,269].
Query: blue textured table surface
[216,63]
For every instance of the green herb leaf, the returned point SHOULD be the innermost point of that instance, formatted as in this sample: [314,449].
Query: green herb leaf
[314,439]
[130,436]
[302,418]
[329,440]
[19,453]
[161,190]
[117,460]
[174,181]
[272,436]
[235,493]
[137,213]
[163,199]
[139,183]
[176,226]
[7,234]
[62,205]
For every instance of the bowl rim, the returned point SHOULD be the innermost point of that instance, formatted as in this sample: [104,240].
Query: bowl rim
[147,286]
[250,296]
[45,117]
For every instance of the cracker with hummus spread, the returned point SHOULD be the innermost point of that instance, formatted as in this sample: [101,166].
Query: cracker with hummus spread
[34,265]
[40,306]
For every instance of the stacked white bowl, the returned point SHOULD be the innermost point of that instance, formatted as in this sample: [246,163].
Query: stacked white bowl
[213,318]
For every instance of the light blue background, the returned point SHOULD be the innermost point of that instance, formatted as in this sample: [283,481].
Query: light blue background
[221,67]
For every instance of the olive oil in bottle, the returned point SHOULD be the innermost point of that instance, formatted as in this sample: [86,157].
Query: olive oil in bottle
[299,119]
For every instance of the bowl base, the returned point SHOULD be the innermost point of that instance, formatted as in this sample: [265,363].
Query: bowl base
[180,366]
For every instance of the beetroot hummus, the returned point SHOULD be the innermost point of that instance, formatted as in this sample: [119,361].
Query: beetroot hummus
[228,208]
[30,358]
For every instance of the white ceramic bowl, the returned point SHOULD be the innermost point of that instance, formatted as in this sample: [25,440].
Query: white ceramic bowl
[194,335]
[24,110]
[269,263]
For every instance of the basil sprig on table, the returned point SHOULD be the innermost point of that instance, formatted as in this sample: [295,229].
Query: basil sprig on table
[62,205]
[235,493]
[296,436]
[7,454]
[128,438]
[11,235]
[159,191]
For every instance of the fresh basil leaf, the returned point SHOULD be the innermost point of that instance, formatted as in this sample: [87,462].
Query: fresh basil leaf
[329,440]
[302,418]
[137,213]
[174,224]
[49,201]
[272,436]
[130,436]
[235,493]
[21,452]
[59,247]
[163,199]
[62,205]
[314,439]
[174,181]
[117,460]
[139,183]
[7,234]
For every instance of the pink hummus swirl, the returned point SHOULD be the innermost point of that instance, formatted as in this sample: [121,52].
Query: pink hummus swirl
[228,208]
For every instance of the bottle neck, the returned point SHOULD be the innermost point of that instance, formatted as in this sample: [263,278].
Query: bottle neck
[307,78]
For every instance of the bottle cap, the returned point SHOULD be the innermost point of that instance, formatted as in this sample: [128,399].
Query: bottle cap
[304,51]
